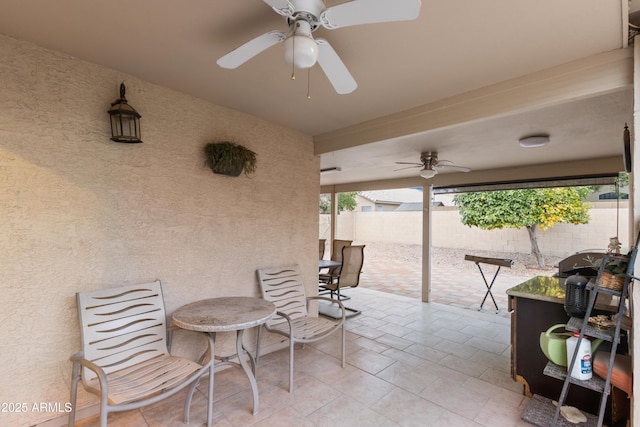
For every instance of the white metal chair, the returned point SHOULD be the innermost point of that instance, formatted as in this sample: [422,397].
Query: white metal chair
[283,286]
[125,358]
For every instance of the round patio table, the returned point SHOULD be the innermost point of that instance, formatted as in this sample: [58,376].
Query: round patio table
[227,314]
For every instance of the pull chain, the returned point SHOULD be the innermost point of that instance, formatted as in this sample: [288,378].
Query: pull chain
[309,83]
[293,54]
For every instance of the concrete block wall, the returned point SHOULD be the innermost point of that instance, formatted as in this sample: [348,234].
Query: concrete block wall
[449,232]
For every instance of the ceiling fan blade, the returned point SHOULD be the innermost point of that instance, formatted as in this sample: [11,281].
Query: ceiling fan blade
[453,167]
[408,167]
[282,7]
[242,54]
[358,12]
[408,163]
[337,73]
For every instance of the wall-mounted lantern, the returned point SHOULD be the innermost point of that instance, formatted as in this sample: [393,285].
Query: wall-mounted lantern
[125,120]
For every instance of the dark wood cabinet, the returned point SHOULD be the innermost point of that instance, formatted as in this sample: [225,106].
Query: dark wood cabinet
[537,305]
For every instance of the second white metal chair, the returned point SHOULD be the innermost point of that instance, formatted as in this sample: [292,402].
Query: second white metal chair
[283,286]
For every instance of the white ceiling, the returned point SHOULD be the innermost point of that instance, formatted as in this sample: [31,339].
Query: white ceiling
[454,48]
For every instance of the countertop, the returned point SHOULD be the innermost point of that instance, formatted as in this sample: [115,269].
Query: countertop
[543,288]
[551,289]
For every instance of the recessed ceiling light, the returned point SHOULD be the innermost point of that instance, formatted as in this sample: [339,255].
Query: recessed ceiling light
[534,141]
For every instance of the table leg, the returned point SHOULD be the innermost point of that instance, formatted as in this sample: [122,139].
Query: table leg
[211,380]
[195,384]
[241,351]
[489,286]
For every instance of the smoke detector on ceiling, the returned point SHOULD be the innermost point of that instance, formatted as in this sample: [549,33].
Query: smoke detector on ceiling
[534,141]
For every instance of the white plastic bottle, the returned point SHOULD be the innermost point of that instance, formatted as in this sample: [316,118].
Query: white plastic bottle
[582,369]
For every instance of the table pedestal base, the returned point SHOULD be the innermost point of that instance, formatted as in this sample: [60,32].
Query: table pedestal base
[248,367]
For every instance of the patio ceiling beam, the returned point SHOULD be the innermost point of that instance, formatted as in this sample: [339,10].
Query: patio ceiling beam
[580,79]
[573,169]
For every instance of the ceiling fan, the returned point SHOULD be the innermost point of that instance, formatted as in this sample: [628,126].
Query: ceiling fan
[304,17]
[430,165]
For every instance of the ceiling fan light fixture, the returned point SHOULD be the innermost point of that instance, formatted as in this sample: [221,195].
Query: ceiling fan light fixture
[300,51]
[428,173]
[534,141]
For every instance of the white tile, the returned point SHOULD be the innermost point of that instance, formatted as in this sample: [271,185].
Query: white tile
[407,409]
[455,397]
[461,350]
[498,413]
[425,352]
[347,412]
[465,366]
[492,360]
[424,338]
[452,335]
[394,341]
[403,356]
[370,361]
[363,387]
[407,378]
[368,344]
[450,419]
[487,345]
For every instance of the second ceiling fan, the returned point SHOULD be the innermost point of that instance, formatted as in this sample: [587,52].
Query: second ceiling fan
[304,17]
[430,165]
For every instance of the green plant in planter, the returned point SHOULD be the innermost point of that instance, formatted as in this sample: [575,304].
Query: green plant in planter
[229,158]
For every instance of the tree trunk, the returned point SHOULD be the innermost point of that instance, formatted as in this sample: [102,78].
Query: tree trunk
[535,250]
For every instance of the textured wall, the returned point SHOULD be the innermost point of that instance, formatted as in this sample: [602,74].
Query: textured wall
[449,232]
[80,212]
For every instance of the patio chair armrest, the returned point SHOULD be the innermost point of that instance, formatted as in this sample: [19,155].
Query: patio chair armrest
[170,329]
[321,298]
[78,359]
[286,317]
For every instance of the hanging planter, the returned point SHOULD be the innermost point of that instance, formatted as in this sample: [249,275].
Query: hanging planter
[228,158]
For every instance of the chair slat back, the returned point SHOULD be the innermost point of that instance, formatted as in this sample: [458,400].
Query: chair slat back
[283,286]
[321,247]
[352,260]
[336,254]
[336,249]
[122,326]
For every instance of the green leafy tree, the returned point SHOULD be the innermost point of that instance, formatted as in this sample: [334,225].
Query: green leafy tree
[346,202]
[531,209]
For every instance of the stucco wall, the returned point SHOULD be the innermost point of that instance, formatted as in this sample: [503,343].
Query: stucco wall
[449,232]
[80,212]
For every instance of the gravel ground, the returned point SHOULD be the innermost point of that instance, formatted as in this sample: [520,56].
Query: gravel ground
[524,264]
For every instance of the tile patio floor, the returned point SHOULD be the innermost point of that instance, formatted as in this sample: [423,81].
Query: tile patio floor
[408,364]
